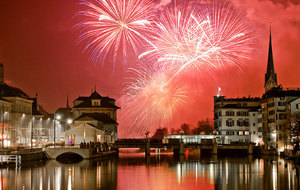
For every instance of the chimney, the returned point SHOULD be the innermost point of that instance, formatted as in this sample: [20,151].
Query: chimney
[1,73]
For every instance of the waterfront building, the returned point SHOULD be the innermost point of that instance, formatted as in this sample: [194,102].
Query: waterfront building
[267,120]
[236,119]
[275,104]
[95,119]
[19,115]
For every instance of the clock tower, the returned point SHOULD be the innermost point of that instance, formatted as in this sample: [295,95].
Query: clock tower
[270,76]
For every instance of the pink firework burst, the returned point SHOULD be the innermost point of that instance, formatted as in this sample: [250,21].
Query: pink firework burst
[201,35]
[114,27]
[151,98]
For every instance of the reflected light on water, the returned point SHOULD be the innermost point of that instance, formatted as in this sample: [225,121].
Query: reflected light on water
[155,172]
[69,179]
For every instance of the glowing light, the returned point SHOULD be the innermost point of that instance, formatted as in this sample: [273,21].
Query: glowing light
[114,27]
[69,121]
[151,98]
[58,117]
[201,36]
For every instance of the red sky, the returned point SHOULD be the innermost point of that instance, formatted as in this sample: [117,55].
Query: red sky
[39,50]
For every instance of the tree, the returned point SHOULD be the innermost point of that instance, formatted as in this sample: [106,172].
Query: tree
[203,127]
[185,128]
[159,133]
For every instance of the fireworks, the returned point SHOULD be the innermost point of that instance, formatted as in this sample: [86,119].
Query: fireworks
[200,36]
[114,27]
[151,98]
[179,38]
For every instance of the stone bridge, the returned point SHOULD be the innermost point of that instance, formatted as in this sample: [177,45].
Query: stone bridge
[53,153]
[180,146]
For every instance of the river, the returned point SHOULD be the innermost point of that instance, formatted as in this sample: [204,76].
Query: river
[134,171]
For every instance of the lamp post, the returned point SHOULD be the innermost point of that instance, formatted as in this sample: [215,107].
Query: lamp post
[181,133]
[2,135]
[56,117]
[31,135]
[69,121]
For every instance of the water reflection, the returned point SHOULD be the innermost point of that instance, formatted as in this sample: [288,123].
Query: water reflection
[135,171]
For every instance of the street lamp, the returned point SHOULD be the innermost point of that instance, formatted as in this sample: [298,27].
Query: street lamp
[69,121]
[56,117]
[31,144]
[181,133]
[2,135]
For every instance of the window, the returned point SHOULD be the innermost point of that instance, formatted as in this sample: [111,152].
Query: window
[246,122]
[271,120]
[240,123]
[246,133]
[254,132]
[229,113]
[253,124]
[229,132]
[282,98]
[95,102]
[282,116]
[229,122]
[254,114]
[281,104]
[272,112]
[298,106]
[241,133]
[242,113]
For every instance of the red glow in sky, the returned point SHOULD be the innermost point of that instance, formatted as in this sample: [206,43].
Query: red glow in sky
[39,50]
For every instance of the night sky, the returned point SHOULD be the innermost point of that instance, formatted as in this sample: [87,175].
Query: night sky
[40,53]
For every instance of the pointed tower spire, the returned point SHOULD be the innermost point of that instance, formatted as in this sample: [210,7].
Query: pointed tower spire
[67,101]
[270,76]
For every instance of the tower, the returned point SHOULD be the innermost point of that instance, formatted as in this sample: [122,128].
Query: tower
[270,76]
[1,73]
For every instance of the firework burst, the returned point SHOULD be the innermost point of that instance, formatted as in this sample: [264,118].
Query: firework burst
[114,27]
[200,36]
[151,98]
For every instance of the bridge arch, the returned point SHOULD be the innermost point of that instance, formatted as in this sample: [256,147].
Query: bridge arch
[53,153]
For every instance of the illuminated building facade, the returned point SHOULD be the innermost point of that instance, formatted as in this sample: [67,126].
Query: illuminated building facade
[237,119]
[20,115]
[271,113]
[95,119]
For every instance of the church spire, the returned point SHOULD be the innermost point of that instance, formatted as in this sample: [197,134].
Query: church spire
[270,76]
[67,101]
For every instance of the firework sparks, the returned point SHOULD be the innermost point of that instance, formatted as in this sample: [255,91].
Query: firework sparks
[114,27]
[201,36]
[151,99]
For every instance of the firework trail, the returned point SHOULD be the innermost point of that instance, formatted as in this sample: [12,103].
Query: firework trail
[114,27]
[200,36]
[151,98]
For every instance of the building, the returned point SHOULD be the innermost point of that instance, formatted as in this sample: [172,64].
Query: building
[265,120]
[63,119]
[237,119]
[275,104]
[94,119]
[22,117]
